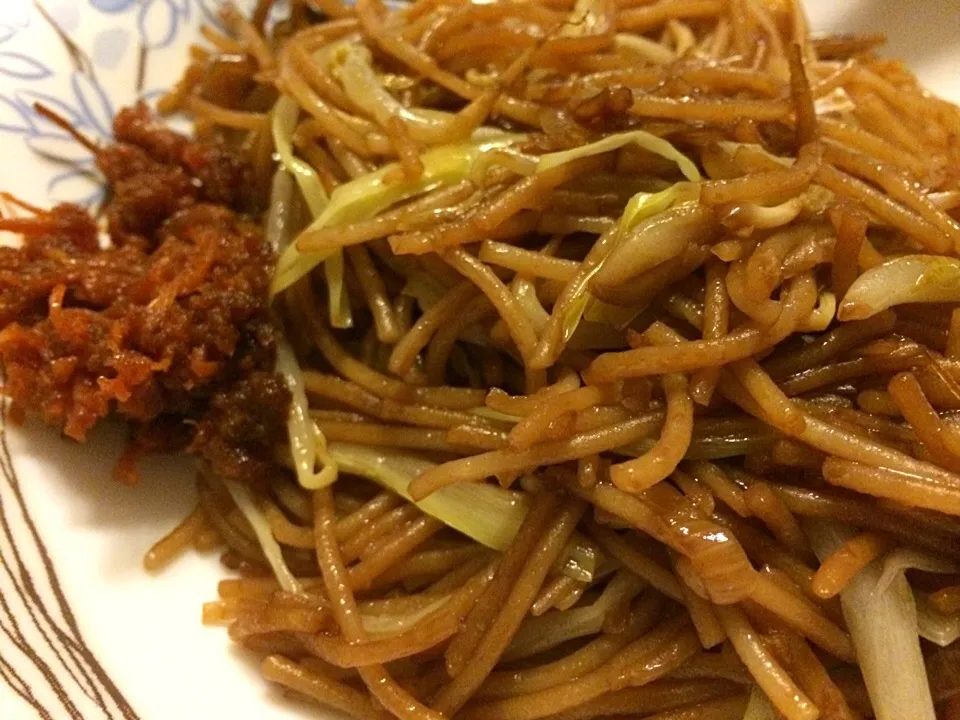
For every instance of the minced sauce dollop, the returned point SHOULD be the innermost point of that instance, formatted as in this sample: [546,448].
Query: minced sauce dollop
[168,326]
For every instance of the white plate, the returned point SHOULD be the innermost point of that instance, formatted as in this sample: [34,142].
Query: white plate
[119,643]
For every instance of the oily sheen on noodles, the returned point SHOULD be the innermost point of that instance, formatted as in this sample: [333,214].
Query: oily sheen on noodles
[623,341]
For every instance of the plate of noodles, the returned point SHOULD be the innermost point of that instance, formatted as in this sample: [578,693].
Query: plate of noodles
[483,360]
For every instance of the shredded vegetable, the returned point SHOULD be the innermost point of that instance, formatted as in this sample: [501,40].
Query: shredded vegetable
[759,707]
[352,63]
[371,194]
[285,117]
[641,207]
[307,444]
[906,279]
[489,514]
[934,625]
[261,528]
[341,316]
[645,205]
[899,561]
[391,625]
[883,626]
[281,207]
[652,241]
[640,138]
[539,634]
[286,113]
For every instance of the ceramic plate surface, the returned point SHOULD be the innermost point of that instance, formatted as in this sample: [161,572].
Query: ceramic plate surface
[85,632]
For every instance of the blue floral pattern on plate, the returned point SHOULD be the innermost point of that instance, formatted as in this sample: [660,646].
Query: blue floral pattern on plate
[158,22]
[111,37]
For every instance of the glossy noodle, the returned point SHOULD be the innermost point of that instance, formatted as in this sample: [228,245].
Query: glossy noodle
[623,345]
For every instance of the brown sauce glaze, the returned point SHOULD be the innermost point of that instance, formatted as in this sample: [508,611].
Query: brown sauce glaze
[168,326]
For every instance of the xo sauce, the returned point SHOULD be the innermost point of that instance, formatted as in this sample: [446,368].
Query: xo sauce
[166,324]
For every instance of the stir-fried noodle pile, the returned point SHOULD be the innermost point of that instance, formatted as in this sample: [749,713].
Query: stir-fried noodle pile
[625,362]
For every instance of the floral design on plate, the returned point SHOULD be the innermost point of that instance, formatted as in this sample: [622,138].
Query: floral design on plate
[159,22]
[84,59]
